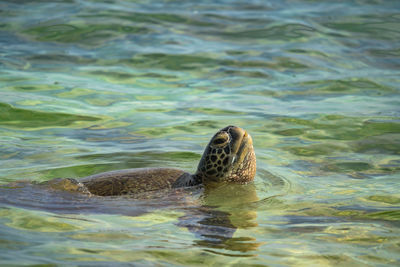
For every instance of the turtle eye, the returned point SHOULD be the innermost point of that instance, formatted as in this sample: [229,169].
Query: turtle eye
[221,139]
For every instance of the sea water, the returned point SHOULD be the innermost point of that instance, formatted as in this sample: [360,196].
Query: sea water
[88,86]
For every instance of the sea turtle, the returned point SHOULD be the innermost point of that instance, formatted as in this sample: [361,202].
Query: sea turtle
[229,157]
[212,212]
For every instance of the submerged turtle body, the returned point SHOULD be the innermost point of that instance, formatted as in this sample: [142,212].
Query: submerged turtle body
[229,157]
[133,181]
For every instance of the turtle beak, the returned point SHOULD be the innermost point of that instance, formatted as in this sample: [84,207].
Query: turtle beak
[247,138]
[239,137]
[245,146]
[236,134]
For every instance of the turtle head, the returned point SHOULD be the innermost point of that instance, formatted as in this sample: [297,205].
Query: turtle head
[228,157]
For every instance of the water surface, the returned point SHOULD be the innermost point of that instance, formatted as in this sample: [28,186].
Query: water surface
[91,86]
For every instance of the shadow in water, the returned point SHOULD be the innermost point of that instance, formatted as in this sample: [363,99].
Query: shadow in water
[225,209]
[212,213]
[40,197]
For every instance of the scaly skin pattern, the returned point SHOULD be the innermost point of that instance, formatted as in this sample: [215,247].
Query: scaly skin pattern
[228,157]
[133,181]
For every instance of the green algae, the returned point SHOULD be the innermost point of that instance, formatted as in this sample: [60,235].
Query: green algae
[93,86]
[23,118]
[344,127]
[34,87]
[348,166]
[86,34]
[32,222]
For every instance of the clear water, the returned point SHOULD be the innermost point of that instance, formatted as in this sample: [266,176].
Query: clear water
[90,86]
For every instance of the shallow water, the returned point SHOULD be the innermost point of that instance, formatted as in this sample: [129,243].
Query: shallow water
[91,86]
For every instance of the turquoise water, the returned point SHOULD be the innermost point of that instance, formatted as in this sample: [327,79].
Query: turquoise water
[91,86]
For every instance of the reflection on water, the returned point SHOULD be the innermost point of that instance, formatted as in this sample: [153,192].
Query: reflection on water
[213,218]
[92,86]
[225,209]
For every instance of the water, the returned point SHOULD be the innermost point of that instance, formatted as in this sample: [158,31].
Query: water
[91,86]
